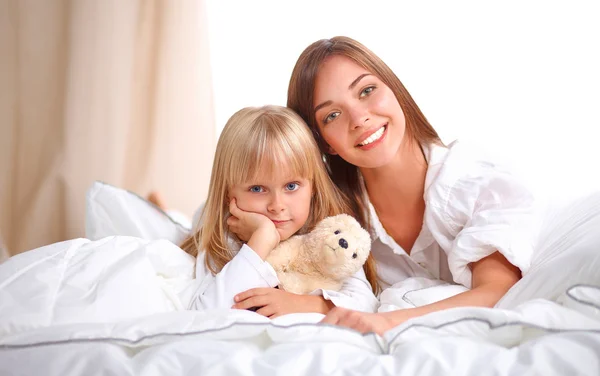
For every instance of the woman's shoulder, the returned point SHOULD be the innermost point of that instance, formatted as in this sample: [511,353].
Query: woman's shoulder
[457,160]
[461,166]
[462,177]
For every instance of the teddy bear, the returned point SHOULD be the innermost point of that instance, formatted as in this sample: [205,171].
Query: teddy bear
[323,258]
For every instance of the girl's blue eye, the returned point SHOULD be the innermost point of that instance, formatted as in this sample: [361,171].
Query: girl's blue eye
[291,186]
[366,91]
[332,116]
[256,189]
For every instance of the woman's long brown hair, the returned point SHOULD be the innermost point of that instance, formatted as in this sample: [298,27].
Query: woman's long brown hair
[301,99]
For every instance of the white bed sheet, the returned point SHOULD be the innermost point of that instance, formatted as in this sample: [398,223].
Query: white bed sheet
[117,306]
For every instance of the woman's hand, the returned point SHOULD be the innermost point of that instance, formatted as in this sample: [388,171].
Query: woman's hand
[364,322]
[493,276]
[272,302]
[258,230]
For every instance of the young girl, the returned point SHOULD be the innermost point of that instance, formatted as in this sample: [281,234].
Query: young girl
[268,183]
[435,211]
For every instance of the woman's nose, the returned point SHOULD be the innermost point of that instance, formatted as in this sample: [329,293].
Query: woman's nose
[358,117]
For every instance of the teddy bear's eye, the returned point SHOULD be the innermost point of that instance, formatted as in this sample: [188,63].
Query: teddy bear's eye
[354,255]
[337,232]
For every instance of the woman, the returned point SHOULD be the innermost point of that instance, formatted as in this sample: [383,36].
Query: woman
[433,211]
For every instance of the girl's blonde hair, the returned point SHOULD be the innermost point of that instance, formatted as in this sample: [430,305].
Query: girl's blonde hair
[255,137]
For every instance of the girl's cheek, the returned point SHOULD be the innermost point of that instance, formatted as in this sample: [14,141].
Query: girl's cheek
[251,204]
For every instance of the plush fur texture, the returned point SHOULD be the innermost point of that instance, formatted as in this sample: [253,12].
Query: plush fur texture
[336,249]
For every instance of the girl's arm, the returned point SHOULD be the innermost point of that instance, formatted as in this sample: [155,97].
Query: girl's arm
[355,293]
[245,270]
[492,277]
[259,230]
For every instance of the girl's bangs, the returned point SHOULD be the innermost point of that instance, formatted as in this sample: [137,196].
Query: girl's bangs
[267,155]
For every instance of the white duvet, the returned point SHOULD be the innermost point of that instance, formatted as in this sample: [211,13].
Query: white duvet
[117,306]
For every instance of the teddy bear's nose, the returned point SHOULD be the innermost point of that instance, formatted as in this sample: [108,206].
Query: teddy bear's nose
[343,243]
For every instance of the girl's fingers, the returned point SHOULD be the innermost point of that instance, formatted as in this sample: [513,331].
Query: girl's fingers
[249,293]
[254,301]
[267,311]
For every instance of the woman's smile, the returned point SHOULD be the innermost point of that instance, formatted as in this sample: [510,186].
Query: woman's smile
[374,139]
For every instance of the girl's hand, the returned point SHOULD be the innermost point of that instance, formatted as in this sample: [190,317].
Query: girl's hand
[272,302]
[258,230]
[362,321]
[243,223]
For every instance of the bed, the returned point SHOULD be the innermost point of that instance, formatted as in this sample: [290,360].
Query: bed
[117,305]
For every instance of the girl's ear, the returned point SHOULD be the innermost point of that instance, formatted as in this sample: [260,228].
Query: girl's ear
[227,201]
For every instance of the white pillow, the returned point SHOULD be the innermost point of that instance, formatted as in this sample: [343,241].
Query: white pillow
[114,211]
[567,253]
[583,299]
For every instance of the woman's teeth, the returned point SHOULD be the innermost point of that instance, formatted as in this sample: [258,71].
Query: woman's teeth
[374,137]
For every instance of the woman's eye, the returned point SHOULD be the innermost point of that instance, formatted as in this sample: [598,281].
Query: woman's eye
[331,117]
[256,189]
[366,91]
[291,186]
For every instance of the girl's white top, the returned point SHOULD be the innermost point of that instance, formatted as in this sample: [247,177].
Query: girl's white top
[472,208]
[247,270]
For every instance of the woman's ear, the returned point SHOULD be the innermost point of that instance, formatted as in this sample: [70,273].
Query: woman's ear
[331,151]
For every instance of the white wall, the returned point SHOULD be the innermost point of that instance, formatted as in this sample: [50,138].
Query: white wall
[520,78]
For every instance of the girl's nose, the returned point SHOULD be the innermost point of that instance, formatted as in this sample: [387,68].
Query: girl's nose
[276,204]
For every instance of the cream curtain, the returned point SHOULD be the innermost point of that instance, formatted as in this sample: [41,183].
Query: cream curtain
[110,90]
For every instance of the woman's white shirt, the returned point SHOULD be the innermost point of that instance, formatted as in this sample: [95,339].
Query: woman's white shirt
[473,208]
[247,270]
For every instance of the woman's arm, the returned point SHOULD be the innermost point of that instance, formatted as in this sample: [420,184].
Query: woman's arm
[492,277]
